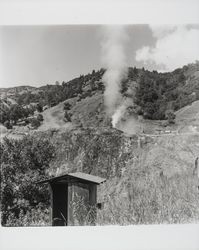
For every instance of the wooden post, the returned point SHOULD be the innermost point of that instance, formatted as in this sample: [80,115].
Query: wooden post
[69,204]
[51,204]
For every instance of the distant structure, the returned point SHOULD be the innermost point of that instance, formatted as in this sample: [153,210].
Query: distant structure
[73,199]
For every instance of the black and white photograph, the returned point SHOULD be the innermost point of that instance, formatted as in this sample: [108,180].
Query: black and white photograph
[99,125]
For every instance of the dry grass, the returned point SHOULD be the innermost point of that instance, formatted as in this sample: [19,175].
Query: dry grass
[143,197]
[83,214]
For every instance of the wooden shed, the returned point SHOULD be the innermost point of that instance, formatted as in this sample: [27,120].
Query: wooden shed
[73,199]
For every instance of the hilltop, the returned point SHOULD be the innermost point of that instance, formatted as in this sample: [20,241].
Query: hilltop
[150,95]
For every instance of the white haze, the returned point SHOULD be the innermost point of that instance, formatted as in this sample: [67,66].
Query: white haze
[114,61]
[175,47]
[124,121]
[118,114]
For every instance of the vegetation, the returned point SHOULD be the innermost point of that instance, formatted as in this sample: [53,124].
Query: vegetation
[135,193]
[156,93]
[23,163]
[153,94]
[51,95]
[138,189]
[10,116]
[101,154]
[67,116]
[141,197]
[144,197]
[83,214]
[170,116]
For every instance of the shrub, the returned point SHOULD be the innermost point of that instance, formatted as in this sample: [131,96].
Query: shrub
[35,123]
[23,163]
[38,216]
[39,107]
[67,106]
[40,117]
[170,116]
[67,116]
[7,124]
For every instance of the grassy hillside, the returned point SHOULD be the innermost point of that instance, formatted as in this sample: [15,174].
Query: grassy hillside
[148,167]
[151,94]
[148,179]
[54,118]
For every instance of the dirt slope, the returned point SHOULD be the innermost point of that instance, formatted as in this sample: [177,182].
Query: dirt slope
[54,118]
[187,118]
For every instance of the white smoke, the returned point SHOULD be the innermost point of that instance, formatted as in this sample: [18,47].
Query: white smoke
[114,60]
[118,114]
[175,47]
[126,120]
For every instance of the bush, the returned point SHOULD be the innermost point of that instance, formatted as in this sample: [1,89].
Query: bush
[170,116]
[67,116]
[40,117]
[7,124]
[23,163]
[35,123]
[39,107]
[67,106]
[38,216]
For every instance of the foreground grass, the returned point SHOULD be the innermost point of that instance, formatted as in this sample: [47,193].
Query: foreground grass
[144,197]
[34,217]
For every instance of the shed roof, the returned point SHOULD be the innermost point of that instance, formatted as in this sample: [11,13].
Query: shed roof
[77,175]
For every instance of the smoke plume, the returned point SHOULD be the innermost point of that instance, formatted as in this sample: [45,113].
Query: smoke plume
[175,46]
[120,111]
[114,60]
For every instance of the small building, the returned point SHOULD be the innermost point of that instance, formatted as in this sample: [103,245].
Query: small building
[73,199]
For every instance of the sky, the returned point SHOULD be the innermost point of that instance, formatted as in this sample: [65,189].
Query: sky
[39,55]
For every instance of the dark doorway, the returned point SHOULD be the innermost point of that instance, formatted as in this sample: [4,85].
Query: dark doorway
[60,200]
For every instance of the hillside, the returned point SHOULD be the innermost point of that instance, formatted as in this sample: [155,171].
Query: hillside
[54,118]
[15,91]
[149,178]
[149,94]
[147,161]
[187,118]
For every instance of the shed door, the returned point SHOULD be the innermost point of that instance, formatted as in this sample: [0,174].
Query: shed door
[60,197]
[79,204]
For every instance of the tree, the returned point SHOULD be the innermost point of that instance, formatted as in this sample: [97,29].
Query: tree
[4,115]
[24,162]
[39,107]
[147,96]
[67,116]
[7,124]
[170,116]
[67,106]
[16,112]
[35,123]
[40,117]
